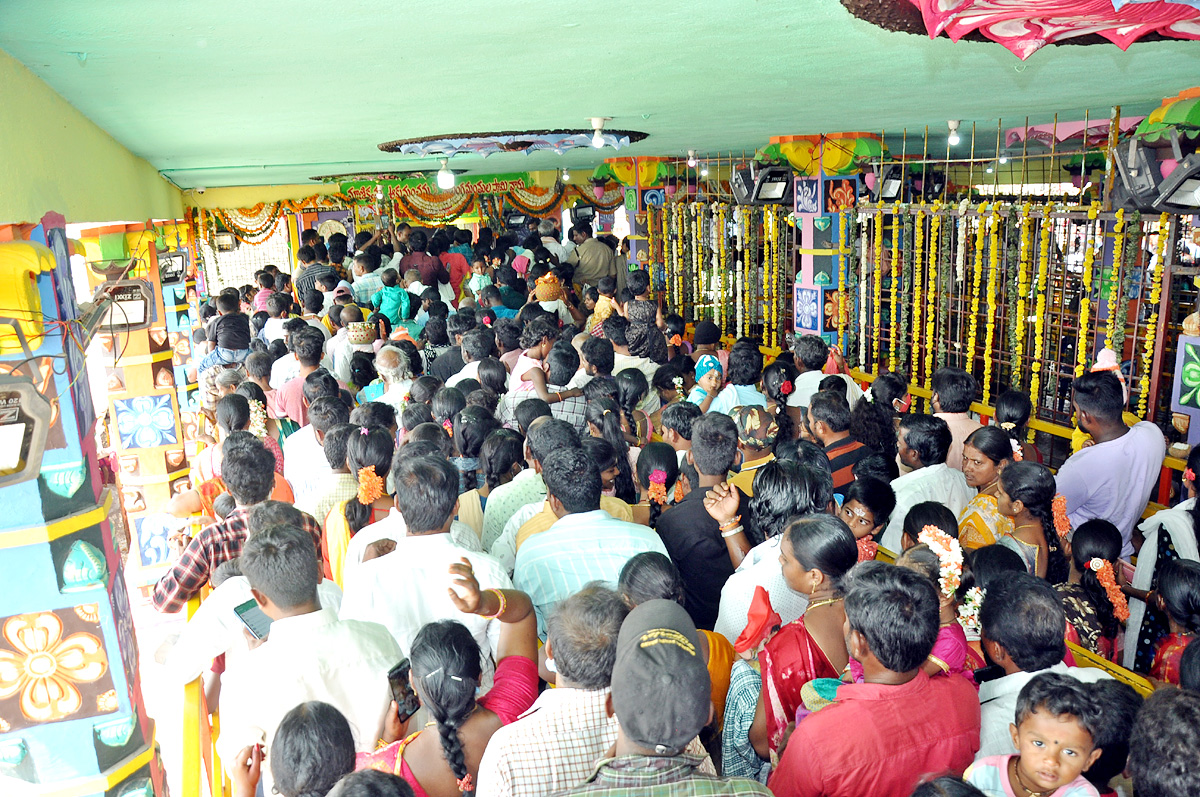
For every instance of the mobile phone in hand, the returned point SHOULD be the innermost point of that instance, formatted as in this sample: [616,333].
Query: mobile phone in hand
[402,691]
[255,620]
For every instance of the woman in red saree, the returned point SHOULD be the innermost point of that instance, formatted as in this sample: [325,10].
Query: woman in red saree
[815,552]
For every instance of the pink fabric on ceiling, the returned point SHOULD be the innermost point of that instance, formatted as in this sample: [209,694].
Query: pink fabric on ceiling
[1097,131]
[1024,26]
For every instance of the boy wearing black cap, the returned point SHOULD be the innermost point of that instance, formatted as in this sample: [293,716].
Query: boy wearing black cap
[661,698]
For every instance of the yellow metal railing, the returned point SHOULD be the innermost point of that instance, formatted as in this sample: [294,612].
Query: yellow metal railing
[1085,658]
[201,727]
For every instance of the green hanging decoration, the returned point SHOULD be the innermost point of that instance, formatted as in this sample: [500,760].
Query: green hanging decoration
[906,289]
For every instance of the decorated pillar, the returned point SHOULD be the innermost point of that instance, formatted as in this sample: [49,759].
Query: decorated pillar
[72,720]
[648,183]
[143,346]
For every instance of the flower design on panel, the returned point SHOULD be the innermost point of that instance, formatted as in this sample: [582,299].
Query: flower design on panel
[146,421]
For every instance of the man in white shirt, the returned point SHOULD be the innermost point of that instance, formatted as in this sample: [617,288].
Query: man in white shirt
[1113,478]
[476,345]
[1022,632]
[953,391]
[304,463]
[809,354]
[308,654]
[407,588]
[549,236]
[924,442]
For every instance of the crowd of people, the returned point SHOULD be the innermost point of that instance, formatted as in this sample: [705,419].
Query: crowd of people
[482,517]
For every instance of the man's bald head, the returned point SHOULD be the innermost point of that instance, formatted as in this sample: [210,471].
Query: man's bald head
[392,365]
[351,314]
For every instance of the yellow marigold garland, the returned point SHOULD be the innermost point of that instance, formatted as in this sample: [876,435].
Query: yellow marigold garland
[918,245]
[893,321]
[1114,280]
[989,334]
[877,290]
[719,221]
[843,264]
[1082,349]
[1022,289]
[930,349]
[1150,339]
[1039,319]
[976,280]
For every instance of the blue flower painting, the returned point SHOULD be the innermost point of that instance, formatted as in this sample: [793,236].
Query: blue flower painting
[806,309]
[146,421]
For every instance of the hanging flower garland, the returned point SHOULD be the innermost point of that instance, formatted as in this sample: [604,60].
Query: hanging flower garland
[905,295]
[740,284]
[1114,278]
[253,226]
[864,258]
[1022,292]
[1039,312]
[1150,340]
[935,226]
[945,288]
[877,290]
[843,266]
[770,249]
[1082,349]
[993,286]
[722,251]
[894,316]
[855,277]
[918,282]
[976,284]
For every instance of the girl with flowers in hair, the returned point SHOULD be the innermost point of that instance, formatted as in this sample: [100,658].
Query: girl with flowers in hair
[369,453]
[1039,515]
[1094,604]
[779,382]
[874,420]
[658,483]
[1169,535]
[986,452]
[939,557]
[1013,409]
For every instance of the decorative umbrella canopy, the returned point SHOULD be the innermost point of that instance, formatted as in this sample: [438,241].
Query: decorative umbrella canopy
[1095,135]
[1025,26]
[838,153]
[1180,113]
[485,144]
[635,172]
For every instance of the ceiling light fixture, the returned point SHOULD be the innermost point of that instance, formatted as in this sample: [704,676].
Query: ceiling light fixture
[1003,158]
[953,139]
[691,161]
[598,128]
[566,175]
[704,171]
[445,177]
[990,169]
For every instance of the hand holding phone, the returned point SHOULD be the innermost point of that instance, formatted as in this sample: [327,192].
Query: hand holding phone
[406,698]
[255,620]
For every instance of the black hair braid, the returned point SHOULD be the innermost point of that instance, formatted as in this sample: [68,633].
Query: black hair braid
[1098,597]
[610,429]
[1057,569]
[627,408]
[452,748]
[656,510]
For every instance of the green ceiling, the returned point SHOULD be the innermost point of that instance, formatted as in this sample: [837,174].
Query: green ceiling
[252,92]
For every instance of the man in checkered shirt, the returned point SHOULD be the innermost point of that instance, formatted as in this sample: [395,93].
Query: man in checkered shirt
[556,743]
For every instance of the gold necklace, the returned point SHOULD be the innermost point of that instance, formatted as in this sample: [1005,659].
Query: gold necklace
[1020,782]
[822,602]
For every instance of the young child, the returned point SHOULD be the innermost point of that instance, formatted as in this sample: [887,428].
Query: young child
[278,305]
[228,334]
[392,300]
[1179,593]
[266,286]
[481,276]
[939,557]
[1057,723]
[607,289]
[326,283]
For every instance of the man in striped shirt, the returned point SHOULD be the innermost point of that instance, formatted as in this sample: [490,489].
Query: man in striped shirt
[585,544]
[829,422]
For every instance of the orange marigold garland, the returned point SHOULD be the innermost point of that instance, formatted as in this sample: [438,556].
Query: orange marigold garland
[370,485]
[658,486]
[1062,525]
[1104,574]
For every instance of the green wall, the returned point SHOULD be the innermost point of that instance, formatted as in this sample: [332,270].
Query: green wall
[52,157]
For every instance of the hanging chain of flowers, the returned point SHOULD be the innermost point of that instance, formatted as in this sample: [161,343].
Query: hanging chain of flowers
[906,330]
[1022,292]
[1082,349]
[945,286]
[1150,340]
[843,266]
[1114,280]
[877,290]
[1039,313]
[718,221]
[770,251]
[993,289]
[863,298]
[855,270]
[976,284]
[894,316]
[918,282]
[935,226]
